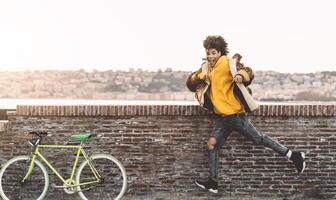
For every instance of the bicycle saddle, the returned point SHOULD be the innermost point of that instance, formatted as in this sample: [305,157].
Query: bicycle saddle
[81,136]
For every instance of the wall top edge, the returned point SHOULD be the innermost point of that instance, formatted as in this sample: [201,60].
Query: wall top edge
[157,110]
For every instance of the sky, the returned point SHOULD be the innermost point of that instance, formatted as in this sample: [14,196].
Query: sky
[279,35]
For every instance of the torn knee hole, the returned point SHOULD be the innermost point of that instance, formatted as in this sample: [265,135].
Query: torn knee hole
[211,143]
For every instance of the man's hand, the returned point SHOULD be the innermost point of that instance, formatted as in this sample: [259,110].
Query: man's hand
[238,79]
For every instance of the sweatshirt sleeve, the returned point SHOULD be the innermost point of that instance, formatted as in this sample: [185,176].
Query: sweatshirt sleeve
[246,72]
[194,79]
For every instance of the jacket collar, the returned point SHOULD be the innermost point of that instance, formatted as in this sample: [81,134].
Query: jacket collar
[219,62]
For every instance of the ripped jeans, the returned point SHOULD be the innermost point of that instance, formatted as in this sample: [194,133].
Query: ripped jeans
[241,124]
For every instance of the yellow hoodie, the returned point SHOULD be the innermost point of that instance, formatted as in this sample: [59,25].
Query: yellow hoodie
[221,93]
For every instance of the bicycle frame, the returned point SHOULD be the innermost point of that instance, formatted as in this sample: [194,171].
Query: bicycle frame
[80,151]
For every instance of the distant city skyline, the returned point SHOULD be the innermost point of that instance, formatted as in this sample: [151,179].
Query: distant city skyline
[284,36]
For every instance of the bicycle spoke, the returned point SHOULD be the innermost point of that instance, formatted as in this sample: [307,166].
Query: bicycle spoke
[12,185]
[112,180]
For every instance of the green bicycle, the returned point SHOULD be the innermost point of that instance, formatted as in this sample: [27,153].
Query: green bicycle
[100,176]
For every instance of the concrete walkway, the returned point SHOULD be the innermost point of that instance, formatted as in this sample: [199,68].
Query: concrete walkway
[205,196]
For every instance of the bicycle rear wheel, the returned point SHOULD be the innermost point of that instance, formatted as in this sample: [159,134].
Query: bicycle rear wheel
[114,179]
[12,173]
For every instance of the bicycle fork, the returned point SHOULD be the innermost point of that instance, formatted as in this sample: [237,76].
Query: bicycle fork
[30,169]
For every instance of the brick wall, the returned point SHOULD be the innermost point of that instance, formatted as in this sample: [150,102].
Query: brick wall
[163,148]
[3,113]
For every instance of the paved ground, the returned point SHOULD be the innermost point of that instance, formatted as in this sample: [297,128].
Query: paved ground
[190,196]
[205,196]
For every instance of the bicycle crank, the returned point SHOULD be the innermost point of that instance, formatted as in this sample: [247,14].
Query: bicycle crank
[69,189]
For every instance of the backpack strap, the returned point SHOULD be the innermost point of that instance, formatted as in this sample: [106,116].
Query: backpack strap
[205,70]
[240,90]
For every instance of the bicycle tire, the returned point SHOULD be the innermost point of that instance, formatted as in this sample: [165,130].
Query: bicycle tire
[114,178]
[12,173]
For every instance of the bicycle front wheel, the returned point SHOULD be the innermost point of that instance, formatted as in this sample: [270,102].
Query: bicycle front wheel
[12,173]
[114,179]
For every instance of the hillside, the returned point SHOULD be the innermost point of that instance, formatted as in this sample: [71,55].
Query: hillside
[159,85]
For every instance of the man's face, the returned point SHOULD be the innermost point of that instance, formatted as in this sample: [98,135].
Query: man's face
[212,56]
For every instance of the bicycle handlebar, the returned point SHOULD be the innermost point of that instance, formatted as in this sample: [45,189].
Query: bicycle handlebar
[38,134]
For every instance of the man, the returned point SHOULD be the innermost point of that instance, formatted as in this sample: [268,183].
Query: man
[216,90]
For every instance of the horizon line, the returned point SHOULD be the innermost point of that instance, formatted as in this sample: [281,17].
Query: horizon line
[168,69]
